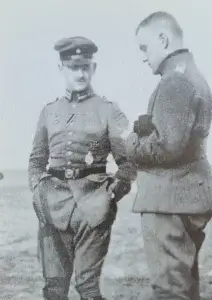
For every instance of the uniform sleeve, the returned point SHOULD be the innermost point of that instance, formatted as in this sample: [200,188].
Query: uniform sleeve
[118,127]
[39,155]
[174,118]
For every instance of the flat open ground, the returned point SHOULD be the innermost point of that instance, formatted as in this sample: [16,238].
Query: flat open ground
[124,275]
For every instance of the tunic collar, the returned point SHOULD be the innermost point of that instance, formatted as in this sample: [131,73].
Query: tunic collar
[174,61]
[79,96]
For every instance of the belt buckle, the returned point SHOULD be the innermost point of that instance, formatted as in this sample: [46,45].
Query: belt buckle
[71,173]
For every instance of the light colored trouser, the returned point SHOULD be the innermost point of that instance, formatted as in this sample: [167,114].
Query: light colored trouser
[79,247]
[172,244]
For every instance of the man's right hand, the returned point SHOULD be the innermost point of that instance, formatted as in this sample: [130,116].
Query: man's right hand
[37,205]
[118,189]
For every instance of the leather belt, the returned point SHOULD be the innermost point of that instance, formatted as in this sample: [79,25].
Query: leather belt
[75,173]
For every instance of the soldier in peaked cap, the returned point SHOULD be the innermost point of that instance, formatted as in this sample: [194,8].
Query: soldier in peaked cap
[67,173]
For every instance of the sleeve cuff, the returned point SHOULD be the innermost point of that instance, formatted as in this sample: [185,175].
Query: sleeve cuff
[126,172]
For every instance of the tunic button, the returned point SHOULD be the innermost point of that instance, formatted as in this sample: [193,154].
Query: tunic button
[69,142]
[69,163]
[70,133]
[69,152]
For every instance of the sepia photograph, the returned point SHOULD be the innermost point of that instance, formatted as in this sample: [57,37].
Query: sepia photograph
[106,150]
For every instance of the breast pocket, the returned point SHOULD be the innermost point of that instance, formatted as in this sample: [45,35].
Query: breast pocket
[56,123]
[89,124]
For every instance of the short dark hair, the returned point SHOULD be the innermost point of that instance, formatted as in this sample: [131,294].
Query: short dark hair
[162,16]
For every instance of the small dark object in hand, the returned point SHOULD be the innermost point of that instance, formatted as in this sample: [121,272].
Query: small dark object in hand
[143,126]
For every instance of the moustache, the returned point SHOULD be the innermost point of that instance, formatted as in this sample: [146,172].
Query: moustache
[82,79]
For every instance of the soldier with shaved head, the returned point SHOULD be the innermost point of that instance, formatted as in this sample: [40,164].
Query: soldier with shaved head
[169,147]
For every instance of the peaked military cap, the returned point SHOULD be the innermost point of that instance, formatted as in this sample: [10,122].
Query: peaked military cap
[69,48]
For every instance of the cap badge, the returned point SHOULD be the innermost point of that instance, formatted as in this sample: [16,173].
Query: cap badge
[78,51]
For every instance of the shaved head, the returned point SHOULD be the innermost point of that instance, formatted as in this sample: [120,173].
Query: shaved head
[161,20]
[158,35]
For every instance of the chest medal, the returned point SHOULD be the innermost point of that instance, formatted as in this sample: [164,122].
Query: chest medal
[89,159]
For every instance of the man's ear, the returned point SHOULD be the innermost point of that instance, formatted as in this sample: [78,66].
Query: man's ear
[164,40]
[94,67]
[60,67]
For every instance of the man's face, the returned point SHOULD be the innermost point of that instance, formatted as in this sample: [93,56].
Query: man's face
[78,75]
[153,47]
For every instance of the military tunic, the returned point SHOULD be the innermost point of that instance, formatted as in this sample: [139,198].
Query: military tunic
[173,157]
[66,129]
[78,212]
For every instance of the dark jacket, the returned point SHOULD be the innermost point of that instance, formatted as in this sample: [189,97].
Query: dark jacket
[174,173]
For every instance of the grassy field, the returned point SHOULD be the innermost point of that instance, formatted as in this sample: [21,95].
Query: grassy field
[124,276]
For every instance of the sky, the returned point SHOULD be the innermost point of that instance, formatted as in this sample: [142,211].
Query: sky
[29,74]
